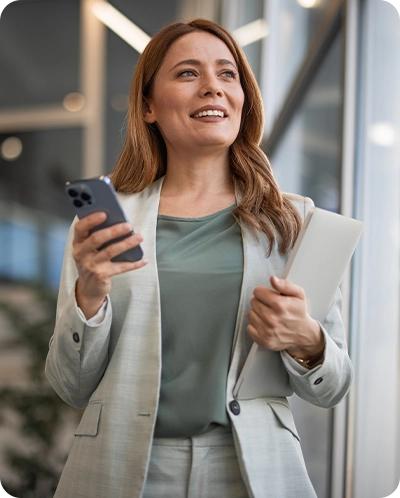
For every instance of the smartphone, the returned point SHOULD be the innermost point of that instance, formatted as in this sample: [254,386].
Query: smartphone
[98,194]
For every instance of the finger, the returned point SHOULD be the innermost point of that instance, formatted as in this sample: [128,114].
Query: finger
[123,267]
[83,226]
[263,318]
[253,333]
[102,237]
[263,339]
[265,296]
[119,247]
[286,288]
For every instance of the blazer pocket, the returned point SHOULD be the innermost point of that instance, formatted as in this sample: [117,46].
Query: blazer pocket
[285,417]
[89,424]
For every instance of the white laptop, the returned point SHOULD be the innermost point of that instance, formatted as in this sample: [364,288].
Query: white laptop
[317,263]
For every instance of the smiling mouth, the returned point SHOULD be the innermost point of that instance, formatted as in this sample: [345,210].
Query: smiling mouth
[210,112]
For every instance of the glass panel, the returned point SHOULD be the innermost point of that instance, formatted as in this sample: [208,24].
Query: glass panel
[150,17]
[307,162]
[296,24]
[375,343]
[121,62]
[39,52]
[36,177]
[31,245]
[238,13]
[19,250]
[34,212]
[246,12]
[307,159]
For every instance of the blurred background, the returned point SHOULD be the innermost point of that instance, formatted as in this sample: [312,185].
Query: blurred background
[329,72]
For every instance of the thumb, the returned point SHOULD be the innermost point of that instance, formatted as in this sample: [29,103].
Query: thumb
[287,288]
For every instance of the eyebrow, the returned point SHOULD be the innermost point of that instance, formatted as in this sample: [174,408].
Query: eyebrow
[196,62]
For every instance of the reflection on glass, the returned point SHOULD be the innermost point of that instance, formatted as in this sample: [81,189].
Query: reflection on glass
[307,159]
[297,23]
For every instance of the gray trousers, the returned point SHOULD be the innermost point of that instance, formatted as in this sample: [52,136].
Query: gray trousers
[204,466]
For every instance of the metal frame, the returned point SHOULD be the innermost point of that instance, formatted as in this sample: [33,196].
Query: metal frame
[343,449]
[342,422]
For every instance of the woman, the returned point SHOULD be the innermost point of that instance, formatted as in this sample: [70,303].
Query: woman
[152,349]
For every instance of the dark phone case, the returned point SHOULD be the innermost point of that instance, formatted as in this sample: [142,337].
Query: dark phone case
[98,194]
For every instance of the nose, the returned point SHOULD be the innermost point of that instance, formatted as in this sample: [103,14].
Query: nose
[211,86]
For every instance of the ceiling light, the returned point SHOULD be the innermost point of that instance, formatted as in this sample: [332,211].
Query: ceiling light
[74,102]
[11,148]
[250,33]
[382,134]
[308,4]
[121,25]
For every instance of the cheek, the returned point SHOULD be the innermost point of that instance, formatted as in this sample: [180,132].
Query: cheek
[240,99]
[167,105]
[237,100]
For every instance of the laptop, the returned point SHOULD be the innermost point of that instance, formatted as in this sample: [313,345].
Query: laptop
[317,263]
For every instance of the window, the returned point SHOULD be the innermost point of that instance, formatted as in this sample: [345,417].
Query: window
[307,159]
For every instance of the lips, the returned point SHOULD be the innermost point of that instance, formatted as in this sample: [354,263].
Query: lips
[212,110]
[209,113]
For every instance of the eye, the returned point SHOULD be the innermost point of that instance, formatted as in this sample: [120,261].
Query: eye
[187,73]
[229,73]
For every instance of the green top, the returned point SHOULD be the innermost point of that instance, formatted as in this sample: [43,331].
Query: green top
[200,269]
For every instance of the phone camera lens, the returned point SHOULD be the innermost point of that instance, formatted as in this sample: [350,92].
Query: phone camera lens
[78,203]
[85,196]
[72,192]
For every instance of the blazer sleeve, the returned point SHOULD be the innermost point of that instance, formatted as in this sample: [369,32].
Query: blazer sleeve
[327,384]
[78,351]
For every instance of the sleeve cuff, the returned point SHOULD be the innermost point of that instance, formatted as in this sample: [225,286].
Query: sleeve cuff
[98,318]
[294,367]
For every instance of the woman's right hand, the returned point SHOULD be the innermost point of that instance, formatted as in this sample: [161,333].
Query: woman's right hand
[95,267]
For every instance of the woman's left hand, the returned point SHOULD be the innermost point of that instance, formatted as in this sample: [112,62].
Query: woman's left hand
[279,320]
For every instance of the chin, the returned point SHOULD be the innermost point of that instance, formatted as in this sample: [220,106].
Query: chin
[223,142]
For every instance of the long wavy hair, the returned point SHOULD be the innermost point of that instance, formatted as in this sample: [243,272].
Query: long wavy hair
[143,159]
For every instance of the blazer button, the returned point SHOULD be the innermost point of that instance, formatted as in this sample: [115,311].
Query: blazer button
[75,336]
[318,381]
[234,407]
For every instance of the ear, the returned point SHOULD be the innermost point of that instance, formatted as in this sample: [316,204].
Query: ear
[148,114]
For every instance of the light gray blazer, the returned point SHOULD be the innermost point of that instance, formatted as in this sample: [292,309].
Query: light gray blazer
[113,370]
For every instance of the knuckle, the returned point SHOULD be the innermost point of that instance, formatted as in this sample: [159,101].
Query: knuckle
[279,305]
[97,238]
[269,319]
[76,252]
[109,251]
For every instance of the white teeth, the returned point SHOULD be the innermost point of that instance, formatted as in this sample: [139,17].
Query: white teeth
[210,112]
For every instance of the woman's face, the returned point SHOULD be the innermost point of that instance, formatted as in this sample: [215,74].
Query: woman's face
[197,97]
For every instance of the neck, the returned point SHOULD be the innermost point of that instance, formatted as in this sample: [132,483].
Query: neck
[196,185]
[199,174]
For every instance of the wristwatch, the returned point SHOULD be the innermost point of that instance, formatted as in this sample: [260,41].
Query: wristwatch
[311,362]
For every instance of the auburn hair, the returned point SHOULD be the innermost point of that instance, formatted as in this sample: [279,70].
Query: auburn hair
[143,159]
